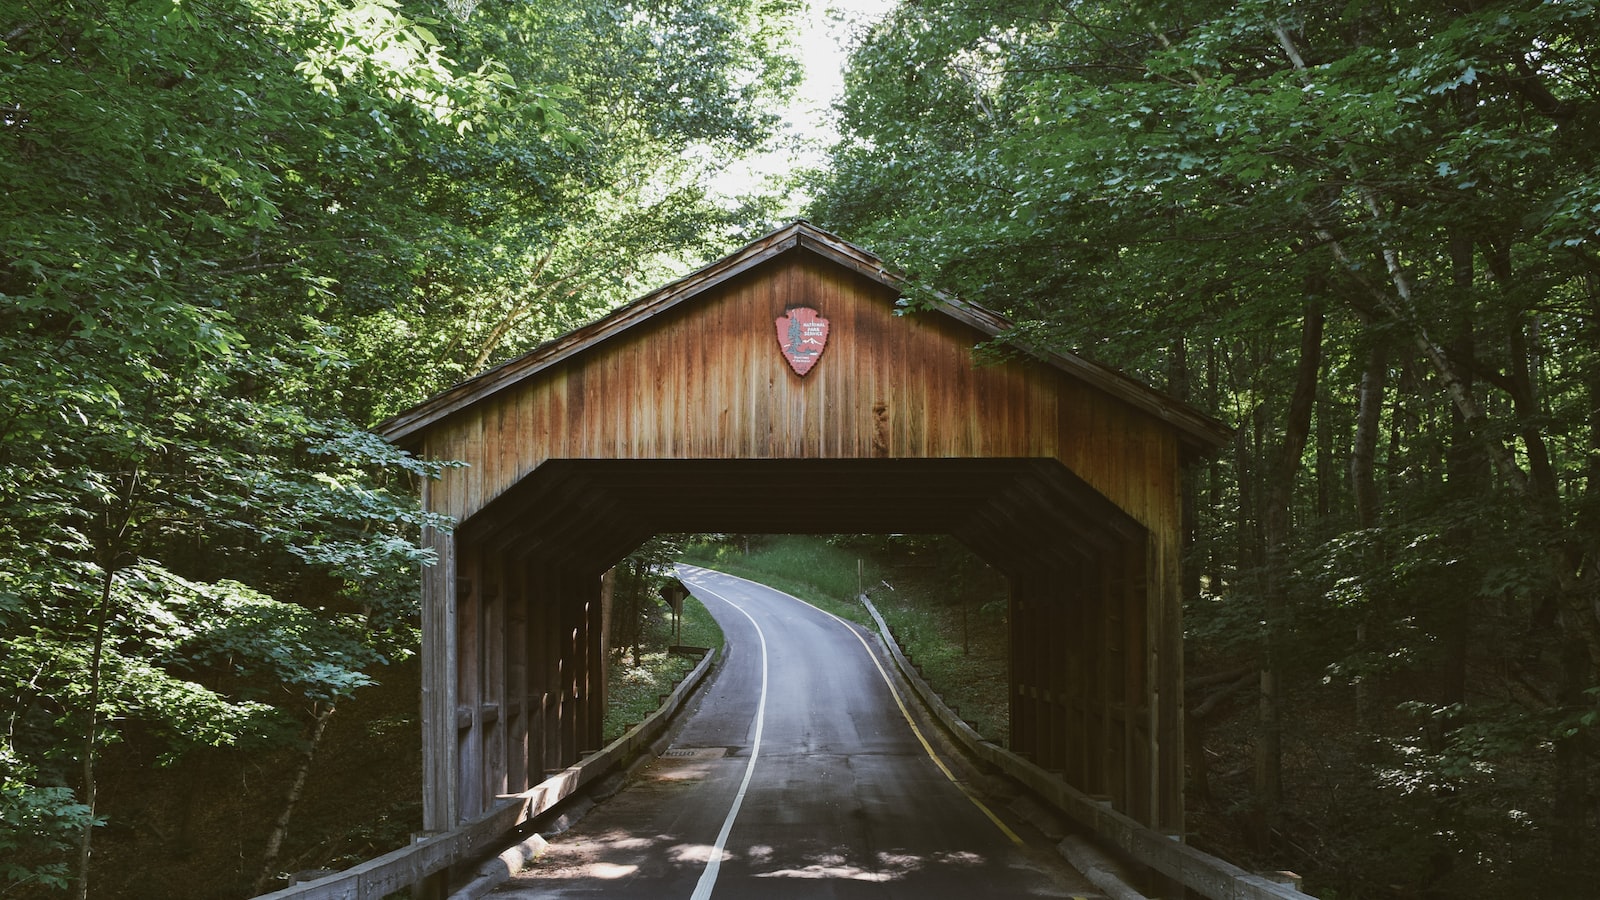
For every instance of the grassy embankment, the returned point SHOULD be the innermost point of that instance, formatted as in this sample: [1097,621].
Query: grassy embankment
[946,611]
[807,567]
[635,691]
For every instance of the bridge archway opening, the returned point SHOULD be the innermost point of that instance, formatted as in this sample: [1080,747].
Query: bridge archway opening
[530,564]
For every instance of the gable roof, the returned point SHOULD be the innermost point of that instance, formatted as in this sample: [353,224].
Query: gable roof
[1198,431]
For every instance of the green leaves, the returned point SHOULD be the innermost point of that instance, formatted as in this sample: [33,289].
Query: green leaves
[1169,188]
[237,231]
[37,825]
[262,644]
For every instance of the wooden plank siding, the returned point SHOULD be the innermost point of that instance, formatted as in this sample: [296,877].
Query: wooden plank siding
[710,383]
[680,413]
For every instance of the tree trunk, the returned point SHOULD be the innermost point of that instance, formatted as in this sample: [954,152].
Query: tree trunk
[90,736]
[1570,837]
[1467,475]
[111,548]
[1327,465]
[280,828]
[1577,623]
[1214,478]
[1277,515]
[1364,449]
[633,610]
[1179,385]
[1364,485]
[1247,453]
[1572,754]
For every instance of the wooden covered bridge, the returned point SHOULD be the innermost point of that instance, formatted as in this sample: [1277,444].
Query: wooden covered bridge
[778,390]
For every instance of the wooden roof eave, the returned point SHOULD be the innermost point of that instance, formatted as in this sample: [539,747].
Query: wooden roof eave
[403,428]
[1201,435]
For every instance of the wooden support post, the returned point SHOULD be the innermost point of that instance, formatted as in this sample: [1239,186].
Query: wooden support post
[1060,681]
[440,804]
[1013,670]
[1022,664]
[1135,700]
[550,604]
[1164,599]
[469,681]
[594,665]
[1092,594]
[517,677]
[567,714]
[586,602]
[1069,644]
[494,696]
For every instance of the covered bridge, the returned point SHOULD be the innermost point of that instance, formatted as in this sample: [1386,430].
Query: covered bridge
[778,390]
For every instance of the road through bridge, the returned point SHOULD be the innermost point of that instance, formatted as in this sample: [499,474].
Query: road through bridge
[786,389]
[798,771]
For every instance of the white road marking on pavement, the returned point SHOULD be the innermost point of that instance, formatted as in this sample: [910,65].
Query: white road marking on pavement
[708,878]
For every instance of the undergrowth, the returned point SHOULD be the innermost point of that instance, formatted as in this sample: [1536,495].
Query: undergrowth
[636,691]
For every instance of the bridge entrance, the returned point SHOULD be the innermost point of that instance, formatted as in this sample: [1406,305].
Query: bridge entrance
[778,390]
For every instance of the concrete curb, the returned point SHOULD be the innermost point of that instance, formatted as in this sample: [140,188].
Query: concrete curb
[1097,868]
[1167,854]
[496,871]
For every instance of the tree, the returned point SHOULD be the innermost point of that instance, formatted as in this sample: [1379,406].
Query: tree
[234,233]
[637,593]
[1159,183]
[560,231]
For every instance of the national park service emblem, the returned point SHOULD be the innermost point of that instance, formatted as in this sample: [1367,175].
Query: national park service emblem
[802,333]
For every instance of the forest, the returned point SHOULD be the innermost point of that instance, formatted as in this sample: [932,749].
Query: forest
[235,234]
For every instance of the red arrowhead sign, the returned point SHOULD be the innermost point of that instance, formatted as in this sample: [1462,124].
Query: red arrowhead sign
[802,333]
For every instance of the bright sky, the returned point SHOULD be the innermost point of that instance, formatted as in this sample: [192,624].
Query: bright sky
[827,28]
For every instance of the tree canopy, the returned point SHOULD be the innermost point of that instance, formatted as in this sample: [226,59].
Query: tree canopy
[1365,234]
[236,233]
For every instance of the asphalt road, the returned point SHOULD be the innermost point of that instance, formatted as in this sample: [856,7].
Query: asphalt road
[796,774]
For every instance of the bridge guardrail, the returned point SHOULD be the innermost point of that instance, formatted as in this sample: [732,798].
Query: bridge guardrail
[1208,875]
[399,869]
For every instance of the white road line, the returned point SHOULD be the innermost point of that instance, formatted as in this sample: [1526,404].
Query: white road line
[708,878]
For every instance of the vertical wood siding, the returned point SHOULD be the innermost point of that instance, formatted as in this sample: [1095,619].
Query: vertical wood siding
[707,381]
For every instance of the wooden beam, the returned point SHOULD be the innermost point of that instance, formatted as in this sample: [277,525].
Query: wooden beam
[516,676]
[496,778]
[440,803]
[469,774]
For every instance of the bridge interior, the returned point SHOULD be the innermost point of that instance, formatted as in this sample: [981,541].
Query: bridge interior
[529,654]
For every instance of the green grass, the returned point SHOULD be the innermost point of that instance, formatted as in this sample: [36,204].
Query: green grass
[803,565]
[634,692]
[699,629]
[966,665]
[927,626]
